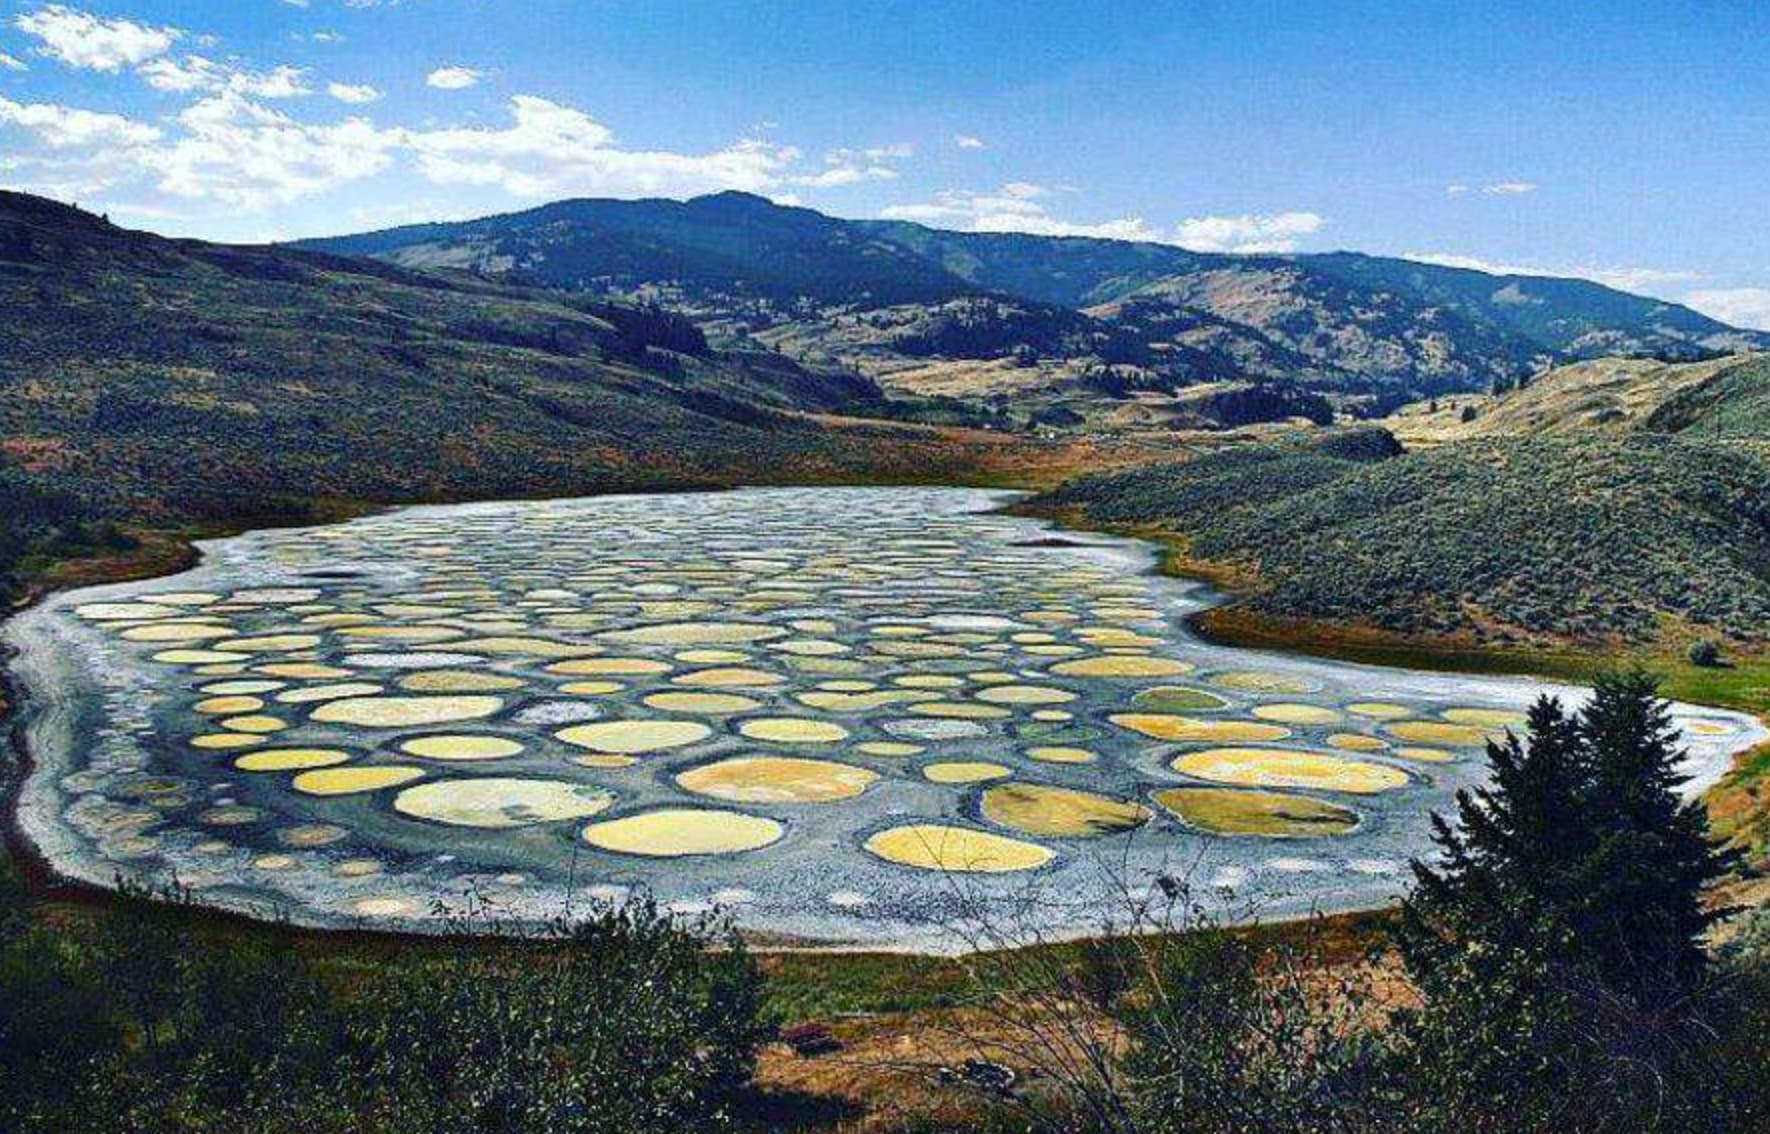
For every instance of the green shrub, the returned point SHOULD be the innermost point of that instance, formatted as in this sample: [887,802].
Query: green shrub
[153,1019]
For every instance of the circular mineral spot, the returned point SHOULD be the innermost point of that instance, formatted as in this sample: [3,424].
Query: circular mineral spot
[309,835]
[302,671]
[1378,710]
[290,759]
[417,635]
[890,749]
[608,667]
[711,703]
[500,803]
[678,832]
[1178,699]
[1485,718]
[793,730]
[379,907]
[1356,742]
[928,681]
[406,712]
[270,643]
[632,738]
[1296,714]
[1710,728]
[965,772]
[457,681]
[1265,681]
[241,688]
[729,676]
[1161,726]
[1226,811]
[695,634]
[811,647]
[591,688]
[176,632]
[1438,732]
[1024,695]
[712,657]
[351,781]
[1060,754]
[936,846]
[522,647]
[255,724]
[861,702]
[461,747]
[1060,813]
[958,710]
[1122,665]
[605,760]
[1424,755]
[316,693]
[777,779]
[225,740]
[1283,767]
[229,815]
[221,706]
[198,657]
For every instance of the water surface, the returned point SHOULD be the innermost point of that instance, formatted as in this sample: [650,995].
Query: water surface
[844,715]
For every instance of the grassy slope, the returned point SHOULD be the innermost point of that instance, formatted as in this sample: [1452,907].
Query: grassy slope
[1588,538]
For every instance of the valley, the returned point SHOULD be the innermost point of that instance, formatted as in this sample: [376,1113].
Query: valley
[1393,476]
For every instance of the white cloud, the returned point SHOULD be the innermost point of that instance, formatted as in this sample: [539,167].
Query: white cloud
[251,157]
[1274,233]
[1641,280]
[849,166]
[1492,189]
[66,127]
[1012,208]
[354,93]
[1739,306]
[80,39]
[11,63]
[1020,206]
[969,142]
[550,150]
[453,78]
[196,73]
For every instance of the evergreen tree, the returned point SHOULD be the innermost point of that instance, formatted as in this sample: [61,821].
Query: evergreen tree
[1556,942]
[1644,915]
[1508,865]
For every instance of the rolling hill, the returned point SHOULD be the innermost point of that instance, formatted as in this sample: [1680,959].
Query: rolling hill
[1589,537]
[148,380]
[739,265]
[1727,397]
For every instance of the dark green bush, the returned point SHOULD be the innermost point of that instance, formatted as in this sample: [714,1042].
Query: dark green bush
[151,1019]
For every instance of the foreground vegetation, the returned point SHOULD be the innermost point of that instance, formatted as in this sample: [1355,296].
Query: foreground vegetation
[150,1019]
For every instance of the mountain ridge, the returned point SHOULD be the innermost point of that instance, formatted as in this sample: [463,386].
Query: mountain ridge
[1340,320]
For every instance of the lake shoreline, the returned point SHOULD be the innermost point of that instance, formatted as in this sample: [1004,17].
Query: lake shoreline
[94,889]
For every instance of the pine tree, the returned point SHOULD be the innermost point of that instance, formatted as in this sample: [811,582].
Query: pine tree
[1644,915]
[1508,864]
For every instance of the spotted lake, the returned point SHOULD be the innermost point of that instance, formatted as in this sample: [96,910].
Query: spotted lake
[843,715]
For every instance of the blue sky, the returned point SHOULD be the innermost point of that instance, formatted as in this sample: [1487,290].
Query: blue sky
[1624,141]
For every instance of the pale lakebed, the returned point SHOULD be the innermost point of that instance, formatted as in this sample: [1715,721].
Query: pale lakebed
[849,716]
